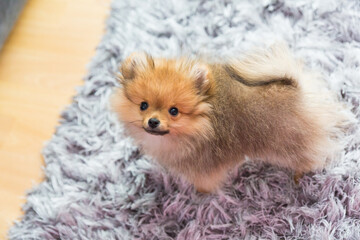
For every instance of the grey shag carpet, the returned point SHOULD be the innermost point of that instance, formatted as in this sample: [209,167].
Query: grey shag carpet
[97,184]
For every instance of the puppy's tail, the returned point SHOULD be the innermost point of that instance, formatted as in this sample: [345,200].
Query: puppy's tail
[332,119]
[264,67]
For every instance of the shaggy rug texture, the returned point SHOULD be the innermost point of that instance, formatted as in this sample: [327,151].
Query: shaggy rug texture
[98,185]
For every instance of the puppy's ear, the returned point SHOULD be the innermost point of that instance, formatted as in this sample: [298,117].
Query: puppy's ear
[135,63]
[201,74]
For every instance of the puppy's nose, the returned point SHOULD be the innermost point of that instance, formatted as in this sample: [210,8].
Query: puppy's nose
[153,122]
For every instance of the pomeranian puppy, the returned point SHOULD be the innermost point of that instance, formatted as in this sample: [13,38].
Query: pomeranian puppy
[201,119]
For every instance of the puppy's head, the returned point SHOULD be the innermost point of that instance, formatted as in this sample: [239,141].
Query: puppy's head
[161,97]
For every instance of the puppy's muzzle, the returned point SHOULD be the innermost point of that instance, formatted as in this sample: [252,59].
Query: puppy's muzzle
[152,127]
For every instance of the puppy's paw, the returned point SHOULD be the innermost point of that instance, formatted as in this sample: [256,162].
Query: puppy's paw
[297,177]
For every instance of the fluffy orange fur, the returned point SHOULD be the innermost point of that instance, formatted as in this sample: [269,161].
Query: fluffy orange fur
[262,106]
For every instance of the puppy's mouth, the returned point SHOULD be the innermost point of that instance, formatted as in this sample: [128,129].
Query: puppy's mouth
[155,132]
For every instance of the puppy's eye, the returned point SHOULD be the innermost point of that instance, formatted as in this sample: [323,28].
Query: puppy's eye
[173,111]
[144,106]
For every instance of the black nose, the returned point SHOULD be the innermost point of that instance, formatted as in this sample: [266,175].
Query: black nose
[153,122]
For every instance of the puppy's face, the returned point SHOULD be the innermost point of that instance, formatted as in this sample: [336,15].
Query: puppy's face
[164,97]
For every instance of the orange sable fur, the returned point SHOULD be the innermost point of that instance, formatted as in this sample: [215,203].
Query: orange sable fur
[264,106]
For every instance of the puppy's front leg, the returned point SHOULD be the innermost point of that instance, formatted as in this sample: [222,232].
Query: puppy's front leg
[210,182]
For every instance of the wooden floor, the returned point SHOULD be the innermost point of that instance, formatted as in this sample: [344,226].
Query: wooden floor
[41,63]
